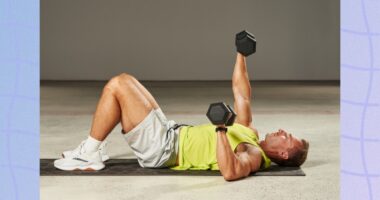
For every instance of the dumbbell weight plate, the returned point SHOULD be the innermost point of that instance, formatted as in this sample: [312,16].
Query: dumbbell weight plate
[218,113]
[245,43]
[232,118]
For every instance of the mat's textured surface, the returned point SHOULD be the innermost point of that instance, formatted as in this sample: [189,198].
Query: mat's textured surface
[130,167]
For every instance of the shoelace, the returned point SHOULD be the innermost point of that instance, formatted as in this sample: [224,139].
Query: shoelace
[79,150]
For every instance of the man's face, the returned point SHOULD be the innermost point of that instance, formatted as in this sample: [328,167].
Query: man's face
[277,144]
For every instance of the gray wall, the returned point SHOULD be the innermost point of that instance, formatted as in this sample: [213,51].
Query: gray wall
[188,40]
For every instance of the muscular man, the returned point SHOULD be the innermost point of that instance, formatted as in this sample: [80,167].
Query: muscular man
[158,142]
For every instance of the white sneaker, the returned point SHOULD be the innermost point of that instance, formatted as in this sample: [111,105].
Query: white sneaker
[76,152]
[87,161]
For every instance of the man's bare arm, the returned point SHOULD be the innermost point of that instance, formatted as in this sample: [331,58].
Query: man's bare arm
[232,165]
[241,88]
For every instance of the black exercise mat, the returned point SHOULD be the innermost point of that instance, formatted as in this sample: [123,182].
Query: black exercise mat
[130,167]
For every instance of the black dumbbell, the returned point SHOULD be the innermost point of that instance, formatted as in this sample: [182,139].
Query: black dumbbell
[221,114]
[245,43]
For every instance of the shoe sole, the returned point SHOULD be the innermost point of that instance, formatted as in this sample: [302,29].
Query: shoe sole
[87,169]
[84,168]
[104,158]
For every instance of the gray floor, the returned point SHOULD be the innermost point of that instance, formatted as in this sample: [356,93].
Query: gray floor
[307,109]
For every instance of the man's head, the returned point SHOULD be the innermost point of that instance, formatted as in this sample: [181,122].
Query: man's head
[285,149]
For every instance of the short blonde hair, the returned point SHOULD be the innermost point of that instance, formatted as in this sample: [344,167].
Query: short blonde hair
[297,156]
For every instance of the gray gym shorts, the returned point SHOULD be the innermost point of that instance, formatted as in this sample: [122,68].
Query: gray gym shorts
[153,141]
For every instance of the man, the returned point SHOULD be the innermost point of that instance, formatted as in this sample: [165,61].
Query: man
[158,142]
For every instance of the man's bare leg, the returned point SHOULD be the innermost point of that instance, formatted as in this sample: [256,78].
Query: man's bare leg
[123,100]
[242,92]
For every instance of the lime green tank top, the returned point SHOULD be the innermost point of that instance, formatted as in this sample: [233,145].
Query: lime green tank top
[197,146]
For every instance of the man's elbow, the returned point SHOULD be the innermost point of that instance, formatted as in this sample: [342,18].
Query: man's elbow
[231,177]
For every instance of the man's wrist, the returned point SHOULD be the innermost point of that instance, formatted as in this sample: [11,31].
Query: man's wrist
[221,129]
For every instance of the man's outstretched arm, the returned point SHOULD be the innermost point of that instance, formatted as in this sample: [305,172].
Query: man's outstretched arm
[241,88]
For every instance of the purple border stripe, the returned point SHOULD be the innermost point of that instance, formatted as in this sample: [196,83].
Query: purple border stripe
[359,182]
[19,25]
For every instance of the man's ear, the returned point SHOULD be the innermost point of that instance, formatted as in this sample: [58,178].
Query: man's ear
[284,155]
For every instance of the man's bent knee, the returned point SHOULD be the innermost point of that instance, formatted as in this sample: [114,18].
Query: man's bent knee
[119,81]
[125,78]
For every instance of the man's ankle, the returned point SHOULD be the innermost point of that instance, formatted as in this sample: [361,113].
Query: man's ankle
[92,144]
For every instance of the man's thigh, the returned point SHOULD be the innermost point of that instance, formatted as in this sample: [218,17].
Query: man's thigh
[135,101]
[146,93]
